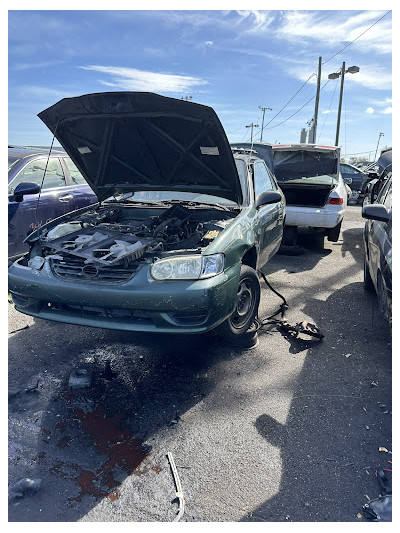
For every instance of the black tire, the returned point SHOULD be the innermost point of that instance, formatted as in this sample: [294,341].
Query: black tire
[290,234]
[318,240]
[368,283]
[333,233]
[246,308]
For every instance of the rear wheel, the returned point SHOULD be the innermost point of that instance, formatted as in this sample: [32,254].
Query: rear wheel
[333,233]
[246,308]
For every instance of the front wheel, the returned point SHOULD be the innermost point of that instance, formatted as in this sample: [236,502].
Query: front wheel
[246,307]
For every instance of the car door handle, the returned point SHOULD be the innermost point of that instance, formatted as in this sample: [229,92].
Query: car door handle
[65,197]
[280,214]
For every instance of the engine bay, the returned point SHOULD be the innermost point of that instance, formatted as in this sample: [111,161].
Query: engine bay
[118,236]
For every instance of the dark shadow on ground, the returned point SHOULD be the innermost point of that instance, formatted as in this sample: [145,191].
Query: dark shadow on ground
[327,469]
[89,441]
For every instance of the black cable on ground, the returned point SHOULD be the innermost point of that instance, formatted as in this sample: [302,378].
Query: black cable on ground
[304,327]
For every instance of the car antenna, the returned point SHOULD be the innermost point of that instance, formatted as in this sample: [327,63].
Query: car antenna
[41,185]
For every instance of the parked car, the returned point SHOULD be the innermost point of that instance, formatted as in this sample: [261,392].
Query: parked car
[182,226]
[64,189]
[378,248]
[384,164]
[314,189]
[356,179]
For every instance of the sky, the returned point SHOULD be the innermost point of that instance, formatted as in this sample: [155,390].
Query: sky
[231,60]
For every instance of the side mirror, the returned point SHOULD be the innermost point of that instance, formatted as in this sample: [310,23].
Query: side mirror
[268,197]
[25,188]
[376,212]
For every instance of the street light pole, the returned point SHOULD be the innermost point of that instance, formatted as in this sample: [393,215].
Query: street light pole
[340,104]
[379,138]
[335,75]
[263,109]
[252,126]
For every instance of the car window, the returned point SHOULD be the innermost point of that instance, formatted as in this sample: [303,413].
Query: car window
[385,195]
[348,169]
[385,187]
[388,200]
[33,173]
[76,176]
[262,179]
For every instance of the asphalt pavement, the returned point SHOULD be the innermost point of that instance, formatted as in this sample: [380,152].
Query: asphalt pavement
[292,430]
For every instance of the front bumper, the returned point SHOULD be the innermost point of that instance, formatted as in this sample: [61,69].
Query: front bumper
[140,304]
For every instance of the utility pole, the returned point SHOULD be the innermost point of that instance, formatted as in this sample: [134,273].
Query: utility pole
[379,138]
[312,138]
[263,109]
[252,126]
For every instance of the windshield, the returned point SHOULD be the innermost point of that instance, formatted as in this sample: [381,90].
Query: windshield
[306,167]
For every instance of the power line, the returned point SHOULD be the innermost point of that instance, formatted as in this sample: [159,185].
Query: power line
[361,34]
[330,105]
[295,113]
[288,102]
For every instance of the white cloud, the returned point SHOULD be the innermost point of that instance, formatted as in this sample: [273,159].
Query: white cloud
[256,21]
[131,79]
[326,112]
[342,27]
[370,110]
[208,43]
[387,110]
[372,76]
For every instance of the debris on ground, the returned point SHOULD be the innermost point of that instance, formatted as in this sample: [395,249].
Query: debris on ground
[383,449]
[380,509]
[33,383]
[23,487]
[80,378]
[179,493]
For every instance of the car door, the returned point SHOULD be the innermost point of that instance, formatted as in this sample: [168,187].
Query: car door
[79,189]
[36,209]
[269,225]
[379,233]
[353,177]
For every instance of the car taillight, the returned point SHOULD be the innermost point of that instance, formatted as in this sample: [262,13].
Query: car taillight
[336,201]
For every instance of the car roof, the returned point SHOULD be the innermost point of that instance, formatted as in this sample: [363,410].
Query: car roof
[20,152]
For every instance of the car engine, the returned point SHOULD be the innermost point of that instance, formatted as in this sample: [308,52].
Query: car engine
[110,244]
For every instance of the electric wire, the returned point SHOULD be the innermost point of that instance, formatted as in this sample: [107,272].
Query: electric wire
[324,63]
[295,113]
[288,102]
[361,34]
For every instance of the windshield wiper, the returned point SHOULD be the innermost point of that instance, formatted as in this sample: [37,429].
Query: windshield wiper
[193,203]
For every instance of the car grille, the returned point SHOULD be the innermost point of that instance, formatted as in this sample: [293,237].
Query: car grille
[75,269]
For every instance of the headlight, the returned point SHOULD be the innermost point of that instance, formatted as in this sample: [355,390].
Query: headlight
[187,267]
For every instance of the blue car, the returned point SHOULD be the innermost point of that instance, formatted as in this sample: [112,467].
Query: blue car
[64,189]
[356,179]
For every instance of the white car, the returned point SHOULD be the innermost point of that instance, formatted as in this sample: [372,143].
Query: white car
[316,195]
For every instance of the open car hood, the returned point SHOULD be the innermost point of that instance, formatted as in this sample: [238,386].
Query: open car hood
[135,141]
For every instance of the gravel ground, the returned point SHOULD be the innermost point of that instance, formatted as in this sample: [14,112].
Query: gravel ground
[288,431]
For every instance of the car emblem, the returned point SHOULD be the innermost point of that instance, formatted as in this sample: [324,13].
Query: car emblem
[90,271]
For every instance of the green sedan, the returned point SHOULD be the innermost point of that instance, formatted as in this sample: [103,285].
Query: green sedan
[182,225]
